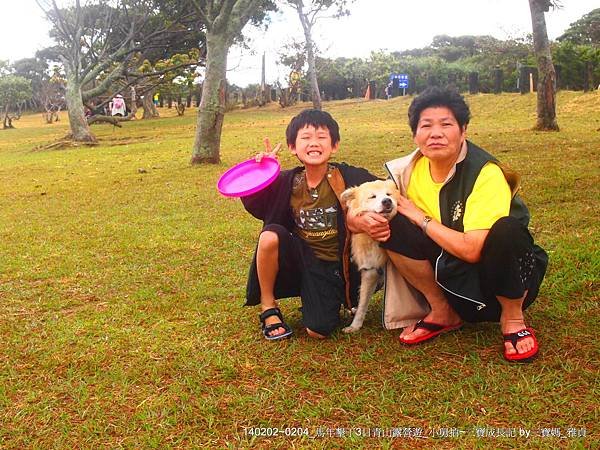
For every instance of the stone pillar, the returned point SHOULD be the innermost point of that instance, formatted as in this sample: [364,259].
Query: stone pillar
[473,82]
[498,80]
[588,77]
[523,80]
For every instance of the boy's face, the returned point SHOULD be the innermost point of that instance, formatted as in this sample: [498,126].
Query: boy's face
[313,146]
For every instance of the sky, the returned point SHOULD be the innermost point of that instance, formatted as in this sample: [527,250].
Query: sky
[389,25]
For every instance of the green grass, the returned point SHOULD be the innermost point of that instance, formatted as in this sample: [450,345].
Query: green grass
[121,318]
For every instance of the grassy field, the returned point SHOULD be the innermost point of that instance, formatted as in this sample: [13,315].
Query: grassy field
[121,292]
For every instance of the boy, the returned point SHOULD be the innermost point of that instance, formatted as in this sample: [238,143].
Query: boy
[303,249]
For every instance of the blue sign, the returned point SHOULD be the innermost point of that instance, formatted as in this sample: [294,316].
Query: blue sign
[402,79]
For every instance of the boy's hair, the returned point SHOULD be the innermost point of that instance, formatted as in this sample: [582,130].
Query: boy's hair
[315,118]
[441,97]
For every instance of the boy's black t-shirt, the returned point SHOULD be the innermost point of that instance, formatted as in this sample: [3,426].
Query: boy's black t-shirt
[315,215]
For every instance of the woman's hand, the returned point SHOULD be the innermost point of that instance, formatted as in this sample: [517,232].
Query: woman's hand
[269,152]
[466,246]
[407,208]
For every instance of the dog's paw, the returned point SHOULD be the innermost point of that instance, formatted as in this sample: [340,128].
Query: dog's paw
[351,329]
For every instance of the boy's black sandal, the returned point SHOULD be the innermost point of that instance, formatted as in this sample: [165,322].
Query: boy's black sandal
[267,329]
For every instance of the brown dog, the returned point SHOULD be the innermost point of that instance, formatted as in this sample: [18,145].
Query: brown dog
[380,197]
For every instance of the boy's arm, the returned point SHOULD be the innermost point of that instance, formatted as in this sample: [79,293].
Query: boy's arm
[256,204]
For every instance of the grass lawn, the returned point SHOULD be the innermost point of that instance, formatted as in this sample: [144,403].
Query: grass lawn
[121,292]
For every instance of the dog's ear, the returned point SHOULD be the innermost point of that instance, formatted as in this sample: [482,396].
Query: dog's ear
[348,195]
[391,184]
[394,189]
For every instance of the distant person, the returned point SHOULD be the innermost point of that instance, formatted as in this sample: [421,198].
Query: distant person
[118,107]
[155,99]
[388,90]
[461,235]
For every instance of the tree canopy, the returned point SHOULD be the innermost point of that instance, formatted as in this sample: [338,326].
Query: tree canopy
[585,30]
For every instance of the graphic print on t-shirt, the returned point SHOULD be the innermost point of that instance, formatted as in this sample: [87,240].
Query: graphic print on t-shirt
[315,215]
[317,218]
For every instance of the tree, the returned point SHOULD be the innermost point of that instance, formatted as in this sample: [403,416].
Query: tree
[95,43]
[309,13]
[224,21]
[575,61]
[292,55]
[14,90]
[585,30]
[177,56]
[47,84]
[159,75]
[546,90]
[86,50]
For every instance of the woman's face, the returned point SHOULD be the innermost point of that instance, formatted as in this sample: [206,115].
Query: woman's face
[438,135]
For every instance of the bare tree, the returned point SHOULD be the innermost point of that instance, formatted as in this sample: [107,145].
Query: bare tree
[51,95]
[96,42]
[86,52]
[546,90]
[14,92]
[224,20]
[309,12]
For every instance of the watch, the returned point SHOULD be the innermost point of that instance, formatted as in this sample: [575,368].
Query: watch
[425,222]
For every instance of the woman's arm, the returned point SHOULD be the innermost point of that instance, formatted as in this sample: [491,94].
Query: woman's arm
[466,246]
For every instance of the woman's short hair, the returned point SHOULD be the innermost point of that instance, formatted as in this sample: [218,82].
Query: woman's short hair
[440,97]
[315,118]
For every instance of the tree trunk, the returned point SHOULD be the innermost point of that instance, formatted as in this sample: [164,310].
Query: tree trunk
[80,130]
[134,107]
[546,88]
[7,120]
[150,111]
[310,57]
[212,105]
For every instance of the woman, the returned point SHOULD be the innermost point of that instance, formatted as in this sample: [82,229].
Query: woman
[461,237]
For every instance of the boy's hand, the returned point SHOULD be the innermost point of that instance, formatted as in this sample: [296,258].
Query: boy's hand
[375,225]
[272,153]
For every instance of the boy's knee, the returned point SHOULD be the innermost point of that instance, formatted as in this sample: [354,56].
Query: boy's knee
[322,328]
[314,334]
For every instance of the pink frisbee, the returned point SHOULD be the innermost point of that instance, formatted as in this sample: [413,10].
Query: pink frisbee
[248,177]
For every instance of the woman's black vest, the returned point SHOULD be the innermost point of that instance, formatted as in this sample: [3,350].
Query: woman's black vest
[451,273]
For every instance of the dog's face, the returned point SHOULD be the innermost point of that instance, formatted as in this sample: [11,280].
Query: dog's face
[378,196]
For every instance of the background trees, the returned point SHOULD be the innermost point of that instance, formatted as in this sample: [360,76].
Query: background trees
[14,91]
[47,84]
[96,43]
[585,30]
[106,47]
[546,88]
[224,21]
[309,12]
[578,53]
